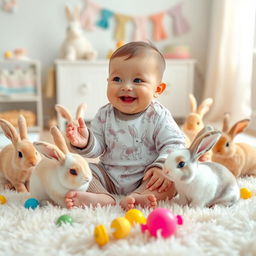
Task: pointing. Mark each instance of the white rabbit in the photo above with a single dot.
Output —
(76, 45)
(17, 160)
(201, 183)
(59, 172)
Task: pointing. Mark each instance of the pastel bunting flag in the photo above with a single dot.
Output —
(159, 32)
(121, 21)
(140, 23)
(180, 24)
(89, 14)
(104, 20)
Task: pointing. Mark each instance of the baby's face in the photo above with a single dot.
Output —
(132, 83)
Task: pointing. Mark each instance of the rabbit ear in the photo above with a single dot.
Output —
(49, 150)
(77, 13)
(9, 131)
(59, 139)
(22, 124)
(80, 111)
(203, 143)
(64, 112)
(68, 13)
(193, 103)
(238, 127)
(225, 126)
(204, 106)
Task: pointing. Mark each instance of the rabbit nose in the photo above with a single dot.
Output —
(33, 162)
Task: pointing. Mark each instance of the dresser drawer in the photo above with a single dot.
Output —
(82, 83)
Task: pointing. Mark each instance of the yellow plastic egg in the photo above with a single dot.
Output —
(101, 235)
(3, 199)
(122, 227)
(245, 193)
(135, 216)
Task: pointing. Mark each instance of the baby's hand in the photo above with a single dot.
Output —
(78, 135)
(157, 180)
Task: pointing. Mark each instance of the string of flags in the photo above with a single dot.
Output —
(93, 15)
(9, 6)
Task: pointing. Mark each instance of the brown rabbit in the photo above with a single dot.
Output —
(239, 158)
(194, 121)
(17, 160)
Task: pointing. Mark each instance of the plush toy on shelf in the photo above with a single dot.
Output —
(239, 158)
(76, 46)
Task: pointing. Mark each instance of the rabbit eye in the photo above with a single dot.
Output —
(20, 154)
(227, 144)
(198, 123)
(181, 164)
(73, 172)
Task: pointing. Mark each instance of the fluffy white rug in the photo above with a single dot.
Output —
(216, 231)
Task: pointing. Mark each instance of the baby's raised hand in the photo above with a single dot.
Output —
(77, 134)
(157, 180)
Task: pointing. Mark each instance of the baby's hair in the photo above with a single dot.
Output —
(137, 48)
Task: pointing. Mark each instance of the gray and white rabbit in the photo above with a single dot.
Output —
(201, 183)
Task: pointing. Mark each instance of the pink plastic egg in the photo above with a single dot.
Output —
(164, 220)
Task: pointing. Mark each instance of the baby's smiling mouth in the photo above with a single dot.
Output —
(127, 99)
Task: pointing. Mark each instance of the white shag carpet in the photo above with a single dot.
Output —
(216, 231)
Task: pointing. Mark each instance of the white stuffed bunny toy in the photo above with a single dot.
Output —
(76, 45)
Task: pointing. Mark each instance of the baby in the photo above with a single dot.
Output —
(132, 134)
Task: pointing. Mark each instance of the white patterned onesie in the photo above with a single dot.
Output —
(128, 145)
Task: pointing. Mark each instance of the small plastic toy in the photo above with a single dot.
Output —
(64, 219)
(101, 235)
(3, 199)
(135, 216)
(122, 227)
(31, 203)
(245, 193)
(162, 220)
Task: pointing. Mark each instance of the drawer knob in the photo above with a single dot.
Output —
(83, 89)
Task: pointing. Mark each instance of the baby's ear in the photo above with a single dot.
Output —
(160, 88)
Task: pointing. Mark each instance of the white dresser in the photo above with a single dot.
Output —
(86, 81)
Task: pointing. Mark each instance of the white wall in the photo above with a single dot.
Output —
(39, 26)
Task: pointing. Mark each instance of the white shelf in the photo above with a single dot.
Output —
(31, 102)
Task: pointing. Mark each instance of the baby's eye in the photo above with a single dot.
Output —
(117, 79)
(137, 80)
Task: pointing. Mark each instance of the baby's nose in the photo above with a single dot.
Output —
(127, 87)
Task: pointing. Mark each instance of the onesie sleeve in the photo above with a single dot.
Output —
(168, 137)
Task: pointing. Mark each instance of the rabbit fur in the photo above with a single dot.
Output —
(76, 45)
(194, 121)
(17, 160)
(59, 172)
(201, 184)
(239, 158)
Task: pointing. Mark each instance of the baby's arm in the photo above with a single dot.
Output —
(78, 134)
(157, 179)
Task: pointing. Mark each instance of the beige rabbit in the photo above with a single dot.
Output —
(59, 172)
(239, 158)
(194, 121)
(17, 160)
(76, 45)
